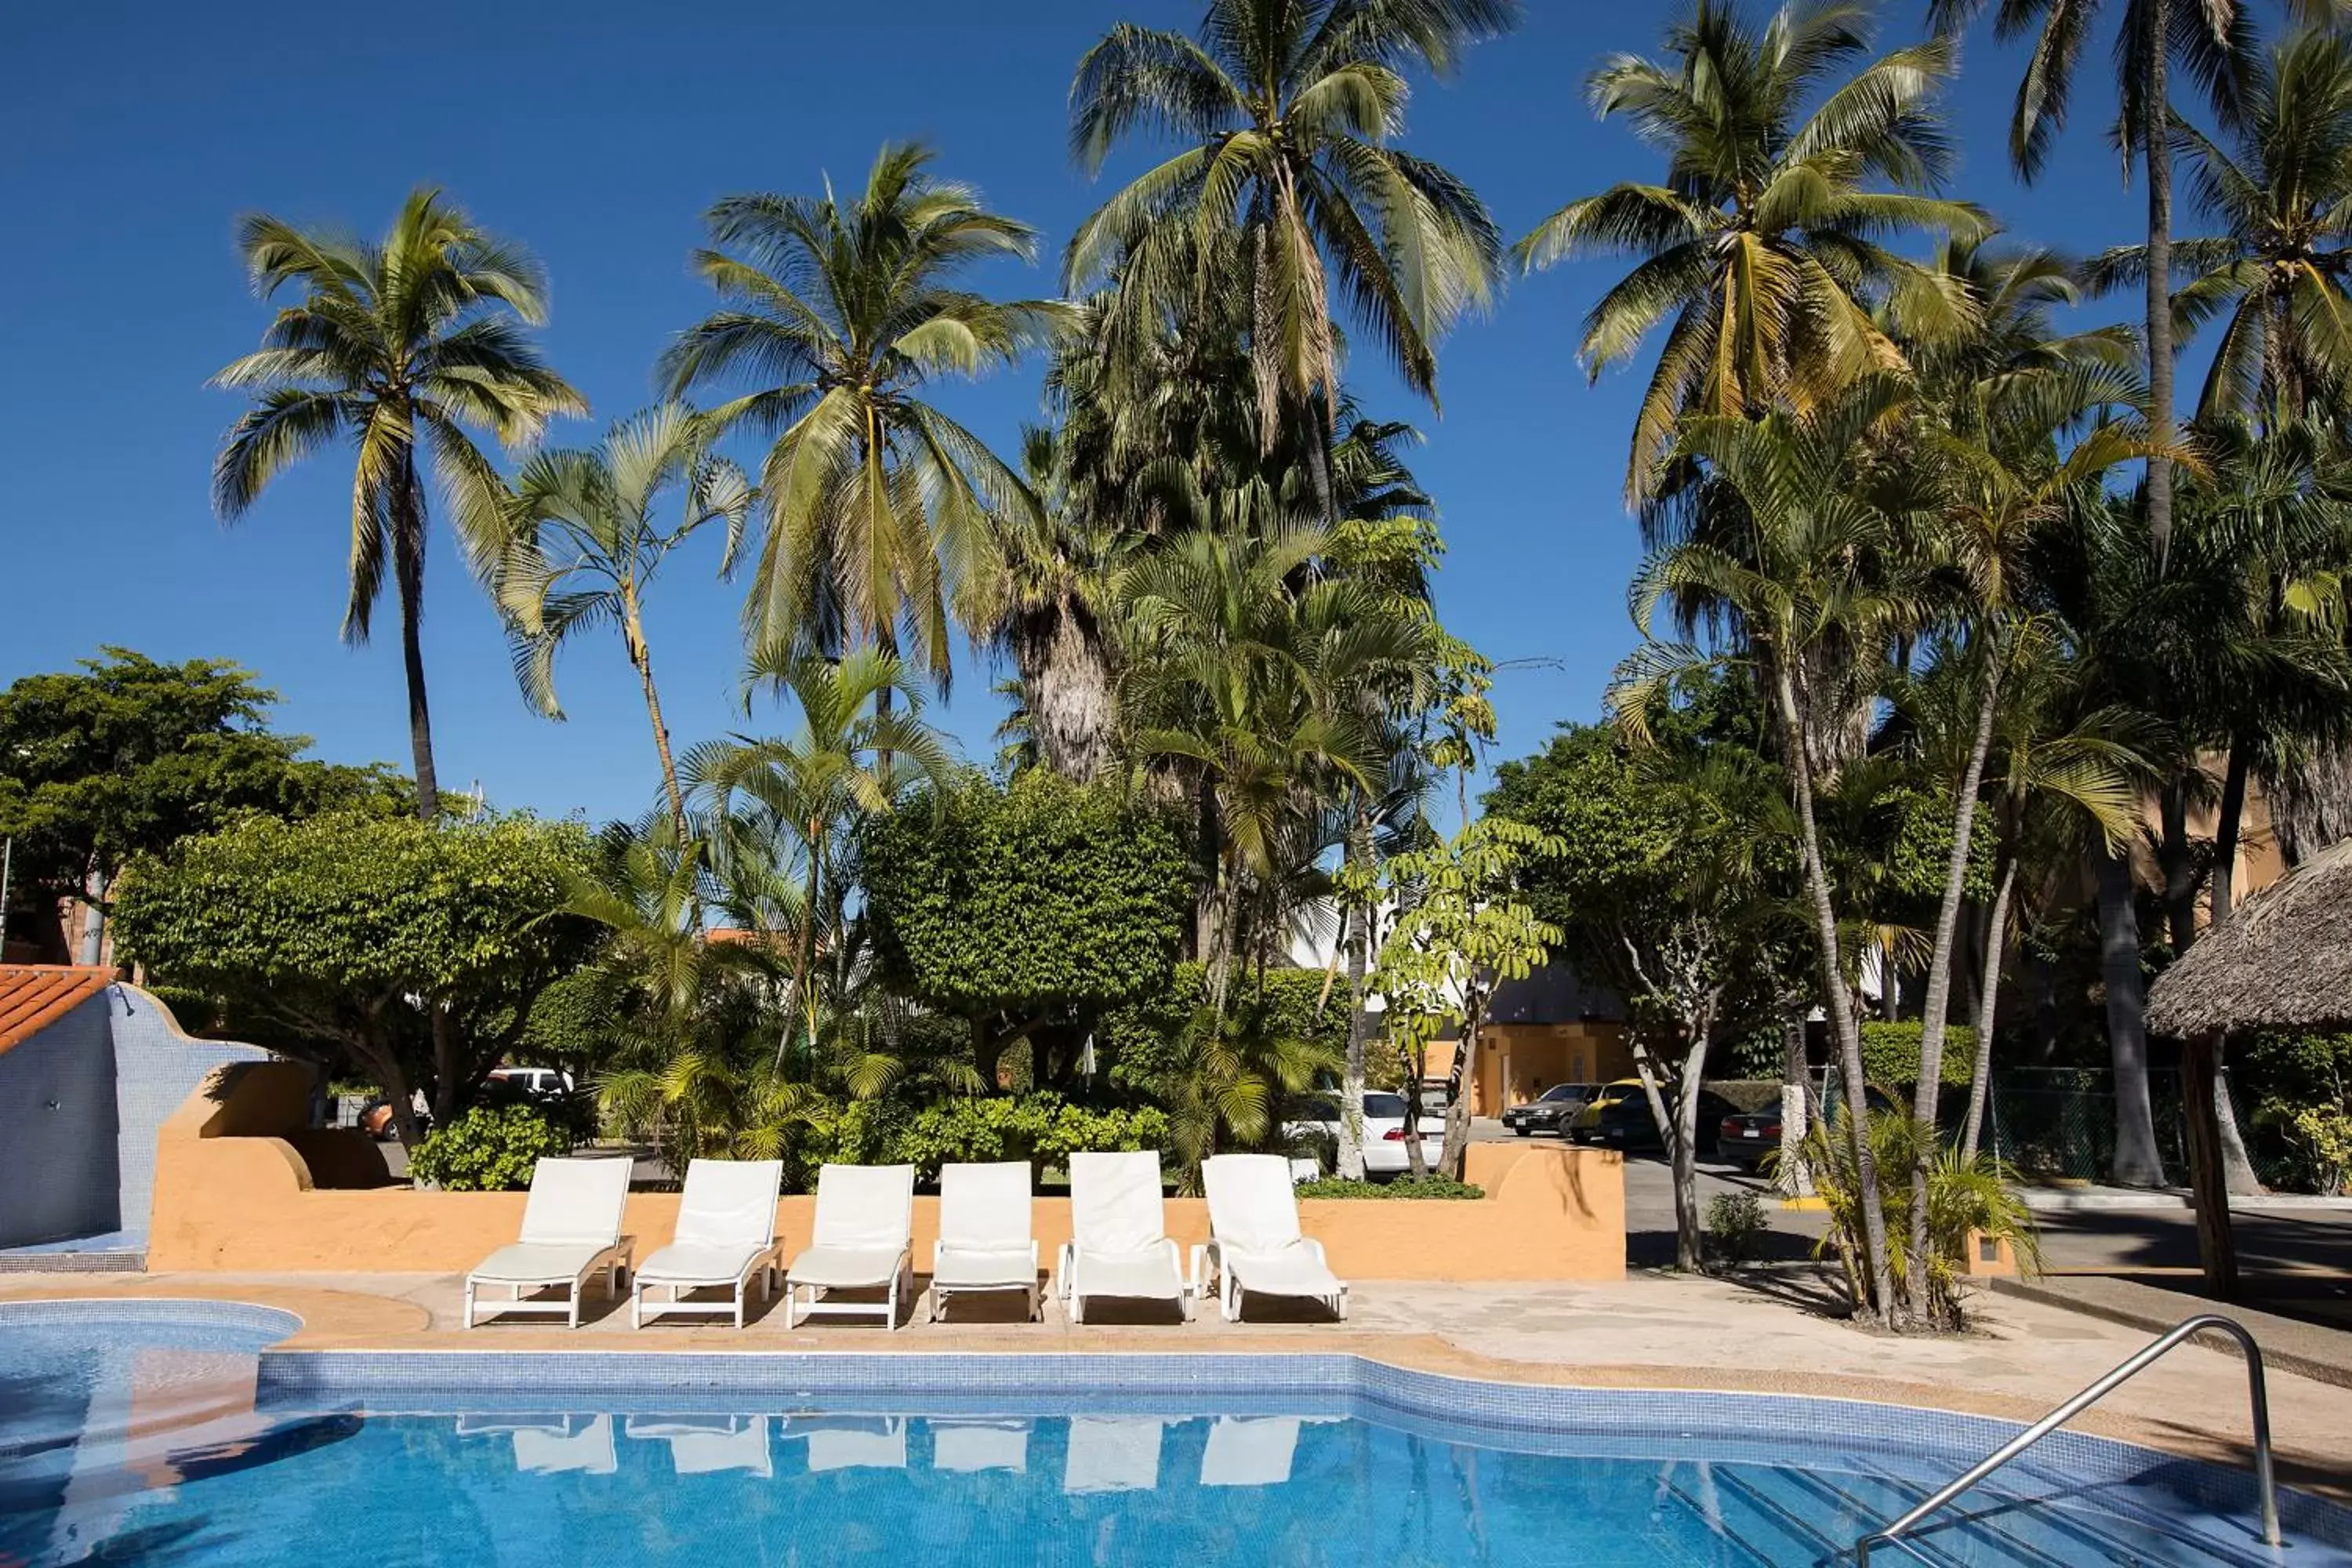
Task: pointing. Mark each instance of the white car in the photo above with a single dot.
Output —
(1384, 1150)
(540, 1083)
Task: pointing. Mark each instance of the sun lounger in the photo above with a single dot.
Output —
(1256, 1245)
(725, 1238)
(1112, 1453)
(963, 1444)
(1118, 1245)
(570, 1229)
(985, 1240)
(865, 1228)
(708, 1445)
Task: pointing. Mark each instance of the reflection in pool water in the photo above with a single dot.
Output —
(132, 1446)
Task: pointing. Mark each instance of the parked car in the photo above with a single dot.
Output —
(1745, 1137)
(538, 1083)
(1318, 1118)
(1580, 1125)
(1551, 1110)
(1627, 1124)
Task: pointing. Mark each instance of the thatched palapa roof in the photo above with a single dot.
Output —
(2282, 961)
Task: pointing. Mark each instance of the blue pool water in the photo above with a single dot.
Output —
(136, 1439)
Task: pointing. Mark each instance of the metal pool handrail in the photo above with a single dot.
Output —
(2257, 1396)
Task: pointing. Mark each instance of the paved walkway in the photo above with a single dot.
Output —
(1770, 1333)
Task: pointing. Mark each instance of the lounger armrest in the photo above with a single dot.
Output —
(1201, 1267)
(1062, 1259)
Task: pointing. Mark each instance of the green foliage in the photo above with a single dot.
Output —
(129, 755)
(1890, 1054)
(343, 929)
(1042, 1128)
(1463, 930)
(490, 1149)
(2324, 1133)
(1735, 1226)
(2301, 1085)
(1038, 896)
(1139, 1044)
(1440, 1188)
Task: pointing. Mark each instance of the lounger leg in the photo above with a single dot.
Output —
(469, 1303)
(572, 1317)
(637, 1305)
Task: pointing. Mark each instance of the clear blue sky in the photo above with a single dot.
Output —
(597, 132)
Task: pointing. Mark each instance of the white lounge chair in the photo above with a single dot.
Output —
(1119, 1242)
(570, 1229)
(708, 1445)
(865, 1230)
(1113, 1454)
(964, 1444)
(726, 1237)
(587, 1448)
(1255, 1245)
(985, 1240)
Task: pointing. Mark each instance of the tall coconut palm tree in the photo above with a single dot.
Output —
(2213, 41)
(2278, 276)
(848, 310)
(399, 347)
(1761, 245)
(1289, 111)
(585, 545)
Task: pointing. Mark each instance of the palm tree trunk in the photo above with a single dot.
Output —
(408, 573)
(2237, 1167)
(633, 629)
(1358, 851)
(2136, 1165)
(1796, 1101)
(2156, 133)
(1937, 1001)
(2178, 867)
(1988, 1006)
(1795, 729)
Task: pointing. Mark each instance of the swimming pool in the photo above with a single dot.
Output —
(809, 1461)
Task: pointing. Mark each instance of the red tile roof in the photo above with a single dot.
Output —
(35, 995)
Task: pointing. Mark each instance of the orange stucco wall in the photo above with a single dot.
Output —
(243, 1202)
(1517, 1062)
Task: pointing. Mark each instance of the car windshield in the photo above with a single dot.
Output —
(1384, 1108)
(1565, 1091)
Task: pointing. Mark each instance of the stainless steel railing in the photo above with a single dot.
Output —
(2256, 1392)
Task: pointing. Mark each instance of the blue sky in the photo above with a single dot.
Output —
(597, 132)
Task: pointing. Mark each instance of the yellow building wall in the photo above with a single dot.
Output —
(1517, 1062)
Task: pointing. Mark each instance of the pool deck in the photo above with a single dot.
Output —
(1766, 1333)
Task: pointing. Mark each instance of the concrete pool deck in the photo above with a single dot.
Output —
(1765, 1334)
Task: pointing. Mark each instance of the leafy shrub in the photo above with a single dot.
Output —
(1042, 1129)
(1735, 1226)
(2325, 1134)
(1142, 1044)
(1890, 1054)
(1402, 1187)
(490, 1149)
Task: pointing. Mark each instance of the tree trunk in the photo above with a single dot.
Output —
(1988, 1007)
(633, 631)
(1451, 1157)
(1795, 1179)
(2239, 1167)
(1689, 1250)
(1066, 684)
(1937, 1001)
(2178, 867)
(93, 914)
(1359, 936)
(1839, 998)
(2136, 1165)
(451, 1078)
(408, 574)
(1416, 1166)
(2217, 1245)
(2156, 146)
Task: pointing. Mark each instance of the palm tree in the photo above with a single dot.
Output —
(1289, 109)
(1762, 244)
(403, 345)
(584, 547)
(2213, 41)
(2277, 274)
(853, 754)
(1824, 565)
(877, 501)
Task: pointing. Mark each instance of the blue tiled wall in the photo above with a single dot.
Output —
(156, 1067)
(57, 1129)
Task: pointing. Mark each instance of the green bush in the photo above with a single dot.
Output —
(488, 1150)
(1890, 1054)
(1042, 1129)
(1402, 1187)
(1735, 1226)
(1139, 1044)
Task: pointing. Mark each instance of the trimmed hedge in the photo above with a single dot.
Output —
(1890, 1054)
(1402, 1187)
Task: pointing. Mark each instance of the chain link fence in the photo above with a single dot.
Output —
(2054, 1123)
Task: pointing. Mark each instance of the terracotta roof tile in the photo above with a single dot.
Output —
(35, 995)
